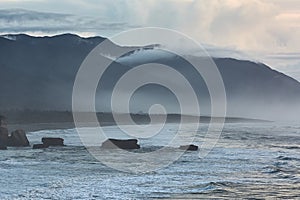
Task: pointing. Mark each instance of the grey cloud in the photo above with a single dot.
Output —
(226, 52)
(16, 15)
(285, 56)
(19, 20)
(292, 70)
(289, 63)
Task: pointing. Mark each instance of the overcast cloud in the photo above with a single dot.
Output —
(267, 30)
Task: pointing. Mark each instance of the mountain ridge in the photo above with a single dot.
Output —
(39, 72)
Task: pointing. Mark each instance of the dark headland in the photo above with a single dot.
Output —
(42, 72)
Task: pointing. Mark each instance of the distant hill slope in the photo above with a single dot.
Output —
(38, 73)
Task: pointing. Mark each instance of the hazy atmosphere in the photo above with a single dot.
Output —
(149, 99)
(263, 30)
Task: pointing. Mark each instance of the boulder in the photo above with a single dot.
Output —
(190, 147)
(48, 141)
(3, 138)
(39, 146)
(122, 144)
(3, 147)
(18, 138)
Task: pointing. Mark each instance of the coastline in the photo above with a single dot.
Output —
(32, 127)
(29, 120)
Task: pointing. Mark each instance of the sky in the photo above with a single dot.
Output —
(262, 30)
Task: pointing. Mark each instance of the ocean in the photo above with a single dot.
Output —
(250, 160)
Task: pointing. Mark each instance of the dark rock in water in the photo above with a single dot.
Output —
(3, 138)
(2, 147)
(39, 146)
(47, 141)
(190, 147)
(18, 138)
(122, 144)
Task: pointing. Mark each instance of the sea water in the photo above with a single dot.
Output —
(250, 160)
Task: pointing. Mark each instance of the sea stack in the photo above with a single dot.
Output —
(122, 144)
(18, 138)
(190, 147)
(3, 133)
(49, 141)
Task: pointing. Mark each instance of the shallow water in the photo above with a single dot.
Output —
(250, 161)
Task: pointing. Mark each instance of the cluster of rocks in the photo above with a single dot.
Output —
(18, 138)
